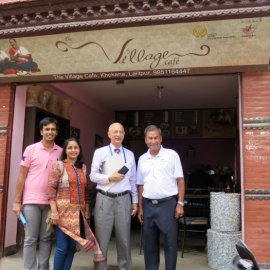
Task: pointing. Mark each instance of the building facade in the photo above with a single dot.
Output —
(223, 37)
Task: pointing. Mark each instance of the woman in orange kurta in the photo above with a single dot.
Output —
(69, 200)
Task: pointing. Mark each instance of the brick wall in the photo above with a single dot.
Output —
(256, 103)
(6, 115)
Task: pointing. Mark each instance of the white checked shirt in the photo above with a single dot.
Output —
(159, 174)
(3, 55)
(129, 182)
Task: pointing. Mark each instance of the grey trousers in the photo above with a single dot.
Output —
(35, 215)
(117, 212)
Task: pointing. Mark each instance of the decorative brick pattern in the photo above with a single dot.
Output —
(256, 145)
(48, 15)
(257, 194)
(257, 123)
(3, 130)
(6, 115)
(264, 266)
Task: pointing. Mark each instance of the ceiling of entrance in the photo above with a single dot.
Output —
(177, 93)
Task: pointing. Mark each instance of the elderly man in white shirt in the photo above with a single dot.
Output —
(161, 189)
(114, 208)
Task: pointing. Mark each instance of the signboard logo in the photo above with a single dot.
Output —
(249, 30)
(199, 31)
(137, 56)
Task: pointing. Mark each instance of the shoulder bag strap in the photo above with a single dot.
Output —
(84, 169)
(62, 167)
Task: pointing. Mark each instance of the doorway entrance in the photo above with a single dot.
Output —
(96, 104)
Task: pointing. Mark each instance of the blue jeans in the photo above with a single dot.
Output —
(65, 248)
(64, 251)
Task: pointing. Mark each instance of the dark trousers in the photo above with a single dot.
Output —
(8, 65)
(27, 66)
(160, 218)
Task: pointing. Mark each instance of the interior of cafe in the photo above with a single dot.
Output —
(197, 115)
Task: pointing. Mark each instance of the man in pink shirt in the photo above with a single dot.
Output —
(36, 163)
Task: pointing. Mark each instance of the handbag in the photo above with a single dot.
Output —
(49, 222)
(50, 227)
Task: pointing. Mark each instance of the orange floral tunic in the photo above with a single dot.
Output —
(68, 187)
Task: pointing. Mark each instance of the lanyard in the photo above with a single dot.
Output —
(123, 153)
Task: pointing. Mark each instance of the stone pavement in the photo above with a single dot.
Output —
(194, 259)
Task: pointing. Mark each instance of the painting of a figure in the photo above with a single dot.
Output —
(219, 123)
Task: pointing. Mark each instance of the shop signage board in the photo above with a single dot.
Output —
(150, 51)
(181, 124)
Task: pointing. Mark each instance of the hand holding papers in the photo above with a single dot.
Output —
(113, 164)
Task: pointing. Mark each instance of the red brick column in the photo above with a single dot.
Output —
(6, 115)
(256, 149)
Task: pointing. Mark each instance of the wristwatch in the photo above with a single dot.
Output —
(181, 203)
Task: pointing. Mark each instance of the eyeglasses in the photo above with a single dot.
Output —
(118, 131)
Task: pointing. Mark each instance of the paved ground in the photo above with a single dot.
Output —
(195, 258)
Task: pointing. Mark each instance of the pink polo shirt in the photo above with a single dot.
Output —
(39, 161)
